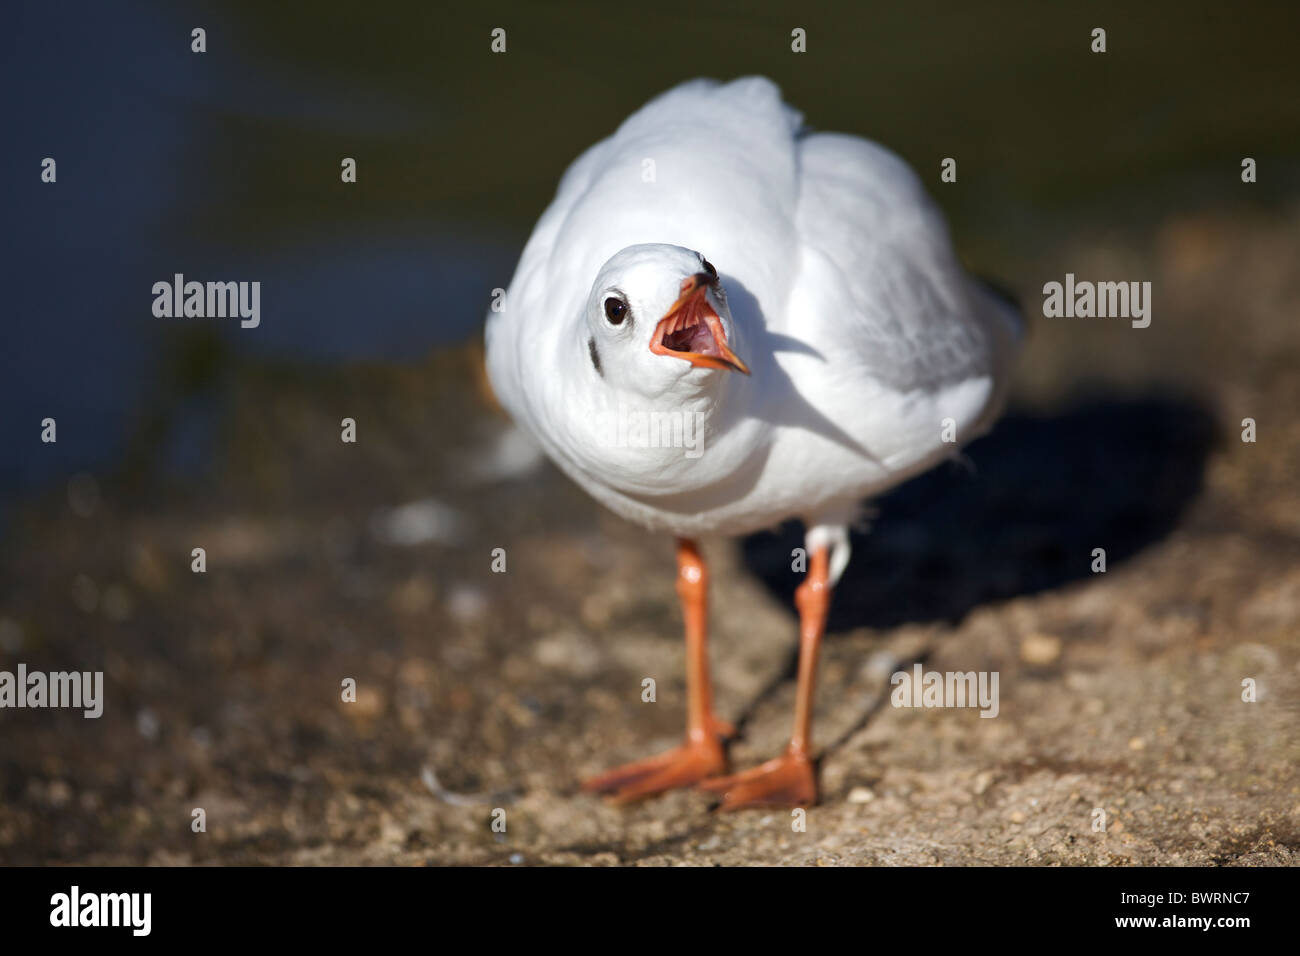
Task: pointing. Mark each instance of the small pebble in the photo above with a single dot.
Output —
(147, 724)
(1040, 649)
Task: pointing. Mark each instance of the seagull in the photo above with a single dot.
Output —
(724, 321)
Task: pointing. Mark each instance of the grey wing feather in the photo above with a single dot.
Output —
(915, 317)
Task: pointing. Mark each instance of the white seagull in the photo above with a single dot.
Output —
(714, 226)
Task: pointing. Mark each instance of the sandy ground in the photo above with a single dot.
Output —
(1119, 692)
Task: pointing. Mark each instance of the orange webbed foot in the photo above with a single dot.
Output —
(699, 758)
(787, 781)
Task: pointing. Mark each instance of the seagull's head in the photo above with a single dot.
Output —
(658, 314)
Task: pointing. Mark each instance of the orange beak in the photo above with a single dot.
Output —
(692, 331)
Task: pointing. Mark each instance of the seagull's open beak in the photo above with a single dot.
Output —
(692, 330)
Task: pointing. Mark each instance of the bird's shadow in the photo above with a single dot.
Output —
(1023, 513)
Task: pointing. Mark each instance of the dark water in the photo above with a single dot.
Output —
(160, 170)
(225, 165)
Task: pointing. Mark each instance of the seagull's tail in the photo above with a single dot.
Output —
(1000, 312)
(1003, 310)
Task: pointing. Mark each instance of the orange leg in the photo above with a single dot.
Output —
(701, 755)
(789, 780)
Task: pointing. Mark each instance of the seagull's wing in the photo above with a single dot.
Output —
(879, 282)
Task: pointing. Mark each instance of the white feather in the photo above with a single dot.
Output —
(845, 298)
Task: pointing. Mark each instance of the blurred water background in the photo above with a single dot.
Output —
(225, 165)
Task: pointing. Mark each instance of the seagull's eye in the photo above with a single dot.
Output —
(615, 310)
(708, 267)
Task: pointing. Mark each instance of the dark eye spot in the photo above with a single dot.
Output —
(595, 356)
(615, 310)
(708, 267)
